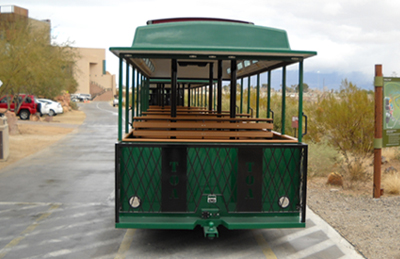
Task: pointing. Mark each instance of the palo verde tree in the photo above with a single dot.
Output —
(346, 121)
(30, 64)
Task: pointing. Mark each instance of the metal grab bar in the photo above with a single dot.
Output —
(273, 114)
(252, 111)
(306, 118)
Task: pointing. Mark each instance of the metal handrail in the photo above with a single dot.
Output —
(273, 114)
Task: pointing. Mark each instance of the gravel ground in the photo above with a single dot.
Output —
(371, 225)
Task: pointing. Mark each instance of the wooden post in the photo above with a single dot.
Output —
(378, 131)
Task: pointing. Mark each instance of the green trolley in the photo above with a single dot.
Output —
(183, 157)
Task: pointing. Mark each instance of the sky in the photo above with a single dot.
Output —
(350, 36)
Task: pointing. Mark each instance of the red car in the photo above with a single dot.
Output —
(28, 107)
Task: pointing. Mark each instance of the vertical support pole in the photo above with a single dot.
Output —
(121, 63)
(201, 97)
(241, 95)
(269, 95)
(137, 93)
(147, 92)
(215, 98)
(178, 91)
(162, 95)
(219, 87)
(127, 98)
(197, 97)
(258, 97)
(142, 99)
(283, 116)
(210, 87)
(133, 92)
(205, 97)
(233, 88)
(141, 94)
(378, 130)
(174, 70)
(183, 94)
(189, 96)
(248, 94)
(159, 94)
(300, 114)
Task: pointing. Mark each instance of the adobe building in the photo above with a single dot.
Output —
(90, 70)
(92, 76)
(12, 13)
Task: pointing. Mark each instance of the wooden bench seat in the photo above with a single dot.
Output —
(195, 134)
(216, 129)
(169, 110)
(202, 125)
(195, 113)
(154, 107)
(166, 117)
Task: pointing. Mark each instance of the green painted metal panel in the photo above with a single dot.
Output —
(190, 222)
(140, 175)
(209, 35)
(211, 170)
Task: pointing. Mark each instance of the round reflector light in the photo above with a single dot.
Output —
(283, 202)
(134, 201)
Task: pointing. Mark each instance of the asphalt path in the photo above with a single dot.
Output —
(59, 203)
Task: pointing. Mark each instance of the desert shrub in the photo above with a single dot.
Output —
(322, 159)
(74, 106)
(391, 183)
(356, 169)
(346, 121)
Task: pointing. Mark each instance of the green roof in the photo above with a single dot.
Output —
(209, 36)
(208, 41)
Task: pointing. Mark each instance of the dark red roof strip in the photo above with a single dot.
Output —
(194, 19)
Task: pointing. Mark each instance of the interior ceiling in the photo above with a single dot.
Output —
(199, 69)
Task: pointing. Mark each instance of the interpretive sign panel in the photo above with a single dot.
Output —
(391, 112)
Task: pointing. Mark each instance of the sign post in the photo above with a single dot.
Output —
(295, 124)
(378, 131)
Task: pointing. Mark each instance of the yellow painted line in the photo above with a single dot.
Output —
(264, 246)
(29, 229)
(126, 243)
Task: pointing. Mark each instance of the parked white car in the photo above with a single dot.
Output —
(50, 107)
(84, 97)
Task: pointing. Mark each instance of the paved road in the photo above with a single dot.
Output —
(58, 203)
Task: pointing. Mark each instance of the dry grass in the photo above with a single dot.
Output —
(71, 117)
(391, 183)
(391, 179)
(392, 153)
(36, 136)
